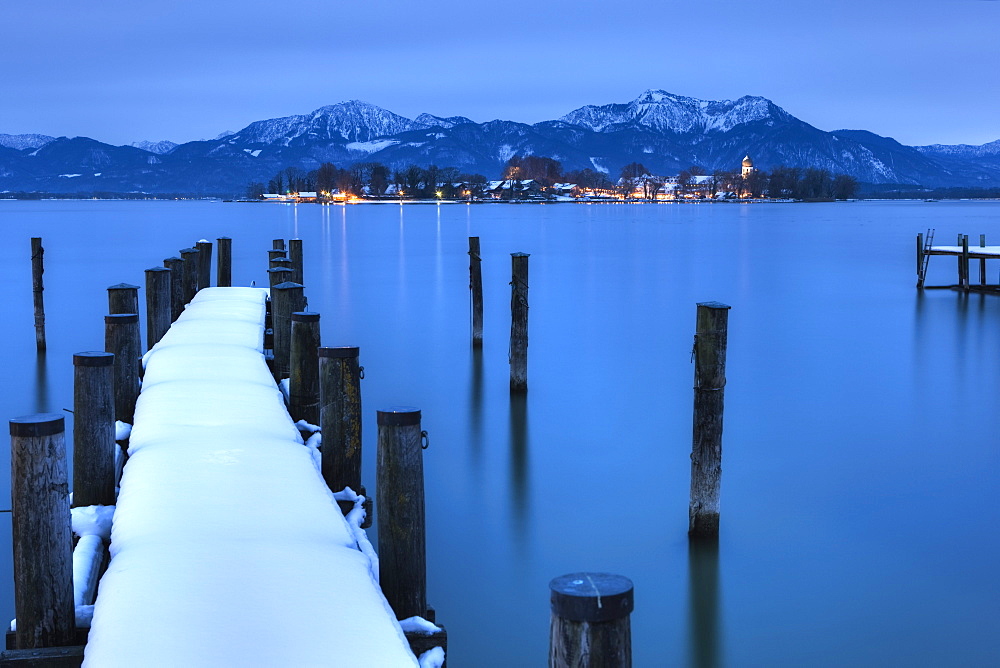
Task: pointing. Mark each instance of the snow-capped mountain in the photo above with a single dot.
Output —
(158, 147)
(352, 121)
(992, 148)
(21, 142)
(430, 121)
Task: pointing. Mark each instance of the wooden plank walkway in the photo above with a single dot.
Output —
(227, 547)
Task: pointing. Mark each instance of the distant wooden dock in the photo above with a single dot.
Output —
(964, 254)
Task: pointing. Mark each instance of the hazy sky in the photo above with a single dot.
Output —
(921, 71)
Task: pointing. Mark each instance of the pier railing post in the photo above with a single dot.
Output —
(43, 559)
(224, 263)
(340, 417)
(295, 255)
(591, 621)
(709, 387)
(400, 498)
(303, 384)
(121, 337)
(157, 304)
(286, 299)
(93, 429)
(519, 323)
(123, 298)
(176, 267)
(204, 263)
(37, 287)
(476, 288)
(192, 272)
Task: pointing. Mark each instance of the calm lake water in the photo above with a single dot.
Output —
(862, 437)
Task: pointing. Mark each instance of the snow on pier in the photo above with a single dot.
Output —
(227, 547)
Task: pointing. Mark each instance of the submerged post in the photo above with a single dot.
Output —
(400, 498)
(121, 337)
(192, 270)
(295, 255)
(476, 287)
(303, 384)
(591, 621)
(176, 267)
(37, 269)
(519, 323)
(123, 298)
(43, 559)
(709, 384)
(286, 299)
(204, 263)
(340, 417)
(224, 264)
(93, 429)
(157, 304)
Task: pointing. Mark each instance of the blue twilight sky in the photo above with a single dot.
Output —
(921, 71)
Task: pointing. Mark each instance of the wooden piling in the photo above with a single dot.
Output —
(192, 273)
(340, 417)
(476, 288)
(275, 253)
(709, 386)
(279, 275)
(982, 261)
(158, 291)
(123, 298)
(400, 499)
(920, 259)
(204, 264)
(591, 621)
(519, 323)
(121, 337)
(37, 287)
(282, 262)
(303, 384)
(224, 263)
(295, 255)
(176, 267)
(278, 244)
(43, 560)
(93, 429)
(286, 299)
(965, 263)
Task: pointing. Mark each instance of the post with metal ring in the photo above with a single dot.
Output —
(400, 498)
(591, 625)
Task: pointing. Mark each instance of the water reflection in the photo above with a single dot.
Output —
(42, 384)
(519, 490)
(704, 632)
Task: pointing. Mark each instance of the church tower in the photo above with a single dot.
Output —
(747, 166)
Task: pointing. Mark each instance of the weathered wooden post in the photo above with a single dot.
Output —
(278, 244)
(93, 429)
(274, 254)
(285, 263)
(303, 385)
(121, 337)
(157, 304)
(476, 288)
(224, 265)
(37, 269)
(295, 255)
(191, 273)
(123, 298)
(400, 499)
(591, 621)
(519, 323)
(43, 541)
(278, 275)
(965, 262)
(920, 260)
(340, 417)
(286, 299)
(982, 261)
(709, 385)
(204, 263)
(176, 267)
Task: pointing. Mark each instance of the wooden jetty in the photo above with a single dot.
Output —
(964, 254)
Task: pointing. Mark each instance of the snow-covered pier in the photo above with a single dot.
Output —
(964, 253)
(227, 547)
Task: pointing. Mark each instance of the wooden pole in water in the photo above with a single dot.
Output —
(400, 499)
(295, 255)
(476, 287)
(286, 299)
(965, 262)
(204, 264)
(982, 261)
(123, 298)
(278, 244)
(709, 386)
(121, 337)
(274, 254)
(157, 304)
(43, 541)
(283, 262)
(37, 269)
(279, 275)
(224, 265)
(519, 323)
(920, 260)
(303, 384)
(93, 429)
(340, 417)
(176, 267)
(591, 621)
(192, 273)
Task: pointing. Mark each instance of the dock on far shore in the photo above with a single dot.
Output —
(964, 253)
